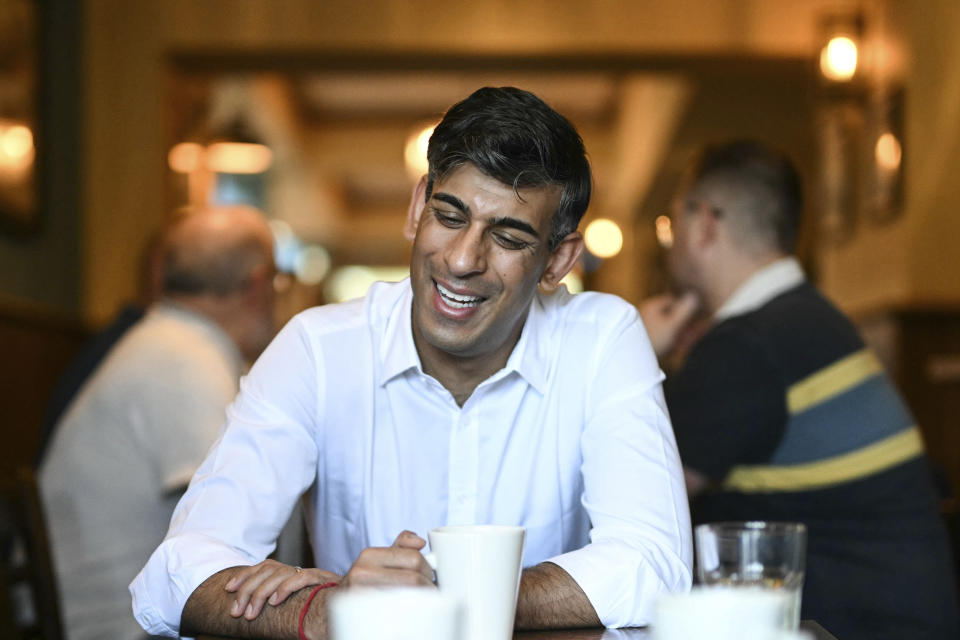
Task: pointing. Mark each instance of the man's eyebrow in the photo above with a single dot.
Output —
(451, 200)
(513, 223)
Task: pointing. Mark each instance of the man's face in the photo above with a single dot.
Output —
(681, 259)
(478, 255)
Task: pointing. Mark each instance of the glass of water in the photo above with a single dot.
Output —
(758, 555)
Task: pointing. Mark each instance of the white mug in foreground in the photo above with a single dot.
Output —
(394, 614)
(479, 565)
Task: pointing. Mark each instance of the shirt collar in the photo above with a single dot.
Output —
(762, 287)
(529, 356)
(399, 353)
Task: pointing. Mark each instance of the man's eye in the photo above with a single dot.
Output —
(509, 242)
(447, 219)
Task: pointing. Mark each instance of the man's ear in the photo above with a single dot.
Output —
(415, 208)
(255, 287)
(561, 260)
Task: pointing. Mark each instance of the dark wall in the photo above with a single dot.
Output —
(41, 264)
(35, 351)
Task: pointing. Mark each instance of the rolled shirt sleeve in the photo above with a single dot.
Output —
(640, 541)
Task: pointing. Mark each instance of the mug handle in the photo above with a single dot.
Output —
(431, 559)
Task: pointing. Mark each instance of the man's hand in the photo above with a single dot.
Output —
(400, 564)
(665, 317)
(231, 603)
(270, 582)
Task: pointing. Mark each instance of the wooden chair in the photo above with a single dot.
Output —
(29, 608)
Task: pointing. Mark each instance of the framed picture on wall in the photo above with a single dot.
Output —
(19, 121)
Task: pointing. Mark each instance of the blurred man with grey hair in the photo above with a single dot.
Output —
(128, 444)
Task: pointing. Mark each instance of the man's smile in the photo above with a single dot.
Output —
(457, 300)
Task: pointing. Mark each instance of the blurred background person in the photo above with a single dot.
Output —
(781, 413)
(128, 444)
(94, 350)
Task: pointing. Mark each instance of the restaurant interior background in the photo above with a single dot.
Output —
(335, 89)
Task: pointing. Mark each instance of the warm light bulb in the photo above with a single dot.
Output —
(17, 141)
(888, 152)
(16, 150)
(603, 238)
(838, 60)
(415, 151)
(664, 231)
(238, 157)
(185, 157)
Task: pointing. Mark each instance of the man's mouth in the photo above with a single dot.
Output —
(456, 300)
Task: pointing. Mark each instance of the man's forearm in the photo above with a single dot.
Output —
(208, 612)
(550, 599)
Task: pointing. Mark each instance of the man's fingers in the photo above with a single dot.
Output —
(241, 605)
(270, 581)
(665, 317)
(239, 577)
(395, 557)
(685, 307)
(396, 564)
(409, 540)
(380, 577)
(297, 581)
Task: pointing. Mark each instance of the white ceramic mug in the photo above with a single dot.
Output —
(394, 614)
(479, 565)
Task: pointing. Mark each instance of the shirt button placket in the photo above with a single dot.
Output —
(459, 509)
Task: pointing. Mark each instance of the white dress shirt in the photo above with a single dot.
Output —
(571, 439)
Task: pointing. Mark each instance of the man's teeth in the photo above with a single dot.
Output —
(456, 300)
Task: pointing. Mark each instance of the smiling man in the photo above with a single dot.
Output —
(478, 391)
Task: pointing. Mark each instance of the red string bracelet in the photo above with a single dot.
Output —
(306, 605)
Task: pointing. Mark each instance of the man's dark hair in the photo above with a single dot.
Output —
(763, 184)
(513, 136)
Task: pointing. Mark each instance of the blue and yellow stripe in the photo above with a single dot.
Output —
(846, 421)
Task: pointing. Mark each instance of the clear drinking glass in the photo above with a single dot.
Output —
(759, 555)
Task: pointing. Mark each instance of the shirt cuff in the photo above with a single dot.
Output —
(620, 582)
(162, 587)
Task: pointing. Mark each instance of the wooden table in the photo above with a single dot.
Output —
(818, 632)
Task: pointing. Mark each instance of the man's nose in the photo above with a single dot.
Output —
(467, 253)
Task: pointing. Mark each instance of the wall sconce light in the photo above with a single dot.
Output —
(16, 150)
(885, 155)
(838, 58)
(860, 128)
(841, 54)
